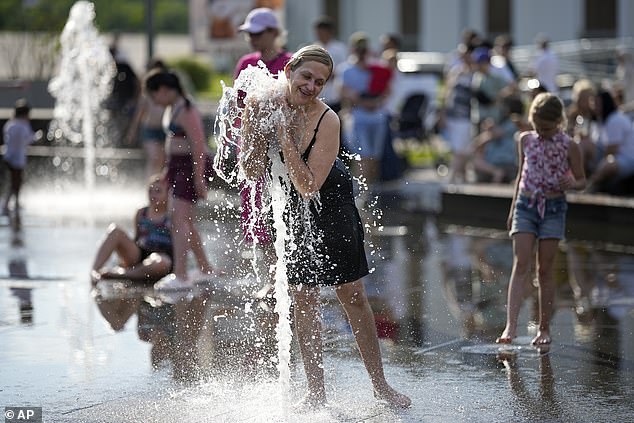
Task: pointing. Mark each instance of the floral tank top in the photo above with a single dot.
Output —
(545, 161)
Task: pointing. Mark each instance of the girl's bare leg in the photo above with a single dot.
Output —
(523, 244)
(547, 250)
(117, 240)
(155, 266)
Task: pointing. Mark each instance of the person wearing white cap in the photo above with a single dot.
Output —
(262, 28)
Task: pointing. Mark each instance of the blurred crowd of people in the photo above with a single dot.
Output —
(483, 108)
(480, 108)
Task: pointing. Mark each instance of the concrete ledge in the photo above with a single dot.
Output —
(591, 217)
(78, 152)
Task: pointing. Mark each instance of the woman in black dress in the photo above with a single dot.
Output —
(327, 250)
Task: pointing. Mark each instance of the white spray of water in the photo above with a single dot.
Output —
(84, 81)
(269, 95)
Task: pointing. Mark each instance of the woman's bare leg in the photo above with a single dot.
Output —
(361, 318)
(181, 226)
(308, 328)
(198, 249)
(155, 156)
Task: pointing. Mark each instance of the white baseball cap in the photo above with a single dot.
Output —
(259, 20)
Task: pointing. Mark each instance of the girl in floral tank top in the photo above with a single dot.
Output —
(550, 165)
(545, 162)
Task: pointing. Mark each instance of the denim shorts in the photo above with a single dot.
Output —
(527, 219)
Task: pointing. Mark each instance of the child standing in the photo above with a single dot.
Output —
(549, 165)
(18, 134)
(149, 255)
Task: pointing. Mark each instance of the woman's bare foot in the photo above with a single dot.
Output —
(392, 397)
(311, 401)
(542, 338)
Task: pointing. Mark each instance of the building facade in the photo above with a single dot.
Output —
(436, 25)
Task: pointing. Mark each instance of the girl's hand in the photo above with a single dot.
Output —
(567, 181)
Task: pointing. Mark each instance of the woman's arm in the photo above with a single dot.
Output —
(309, 177)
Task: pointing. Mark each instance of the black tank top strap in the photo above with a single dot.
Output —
(312, 141)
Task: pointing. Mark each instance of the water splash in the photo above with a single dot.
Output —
(257, 89)
(84, 81)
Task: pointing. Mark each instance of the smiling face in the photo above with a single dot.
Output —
(306, 82)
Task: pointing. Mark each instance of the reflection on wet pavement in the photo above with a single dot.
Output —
(121, 352)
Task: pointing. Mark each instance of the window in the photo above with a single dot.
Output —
(409, 20)
(498, 17)
(331, 8)
(600, 18)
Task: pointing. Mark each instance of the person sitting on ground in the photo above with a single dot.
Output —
(149, 255)
(495, 158)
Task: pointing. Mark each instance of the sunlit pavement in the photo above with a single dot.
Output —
(125, 354)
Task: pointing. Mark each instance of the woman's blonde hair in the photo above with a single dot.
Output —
(582, 86)
(547, 108)
(311, 53)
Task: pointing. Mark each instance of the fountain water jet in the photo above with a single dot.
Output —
(84, 81)
(258, 83)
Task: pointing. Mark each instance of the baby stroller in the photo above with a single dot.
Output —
(410, 123)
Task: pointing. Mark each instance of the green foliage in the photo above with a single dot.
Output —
(126, 16)
(171, 16)
(42, 16)
(198, 72)
(111, 15)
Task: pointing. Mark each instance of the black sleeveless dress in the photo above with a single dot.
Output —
(338, 256)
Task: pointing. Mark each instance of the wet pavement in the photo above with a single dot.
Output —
(119, 352)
